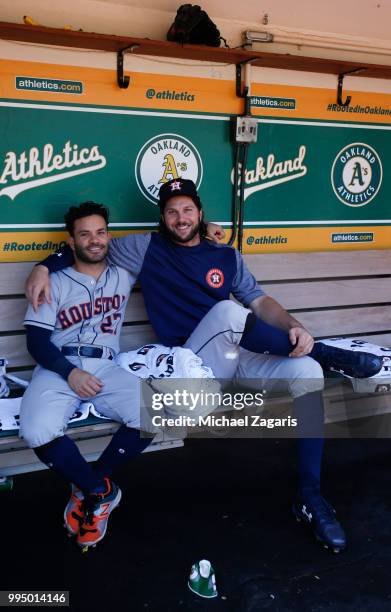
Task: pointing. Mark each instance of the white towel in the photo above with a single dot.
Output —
(81, 413)
(170, 370)
(158, 361)
(10, 409)
(9, 413)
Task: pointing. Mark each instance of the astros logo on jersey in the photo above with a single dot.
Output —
(215, 278)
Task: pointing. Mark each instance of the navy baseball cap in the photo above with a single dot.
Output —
(177, 187)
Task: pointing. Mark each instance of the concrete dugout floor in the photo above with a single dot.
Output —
(224, 500)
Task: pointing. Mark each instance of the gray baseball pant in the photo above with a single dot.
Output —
(49, 402)
(216, 340)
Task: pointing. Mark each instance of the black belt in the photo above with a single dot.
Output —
(86, 351)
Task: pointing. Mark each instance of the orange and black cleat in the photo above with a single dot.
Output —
(97, 509)
(74, 513)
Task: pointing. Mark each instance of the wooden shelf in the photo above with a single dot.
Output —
(162, 48)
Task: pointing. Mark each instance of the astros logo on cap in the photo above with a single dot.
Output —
(175, 185)
(215, 278)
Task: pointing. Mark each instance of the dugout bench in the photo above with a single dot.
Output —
(339, 293)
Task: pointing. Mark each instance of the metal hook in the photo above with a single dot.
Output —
(339, 92)
(340, 84)
(123, 80)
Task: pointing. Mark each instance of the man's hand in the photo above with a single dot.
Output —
(83, 383)
(37, 287)
(304, 340)
(215, 232)
(270, 311)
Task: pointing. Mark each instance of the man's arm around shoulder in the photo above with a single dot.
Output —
(37, 287)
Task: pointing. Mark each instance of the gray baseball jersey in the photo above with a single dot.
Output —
(85, 310)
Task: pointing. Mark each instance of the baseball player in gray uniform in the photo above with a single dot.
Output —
(74, 339)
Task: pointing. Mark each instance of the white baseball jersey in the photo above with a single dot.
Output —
(85, 310)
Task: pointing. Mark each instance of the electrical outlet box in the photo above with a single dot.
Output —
(245, 129)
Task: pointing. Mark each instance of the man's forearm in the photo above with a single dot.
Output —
(270, 311)
(45, 353)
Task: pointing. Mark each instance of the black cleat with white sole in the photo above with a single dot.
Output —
(356, 364)
(317, 513)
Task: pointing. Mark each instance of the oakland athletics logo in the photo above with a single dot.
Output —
(356, 174)
(215, 278)
(163, 158)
